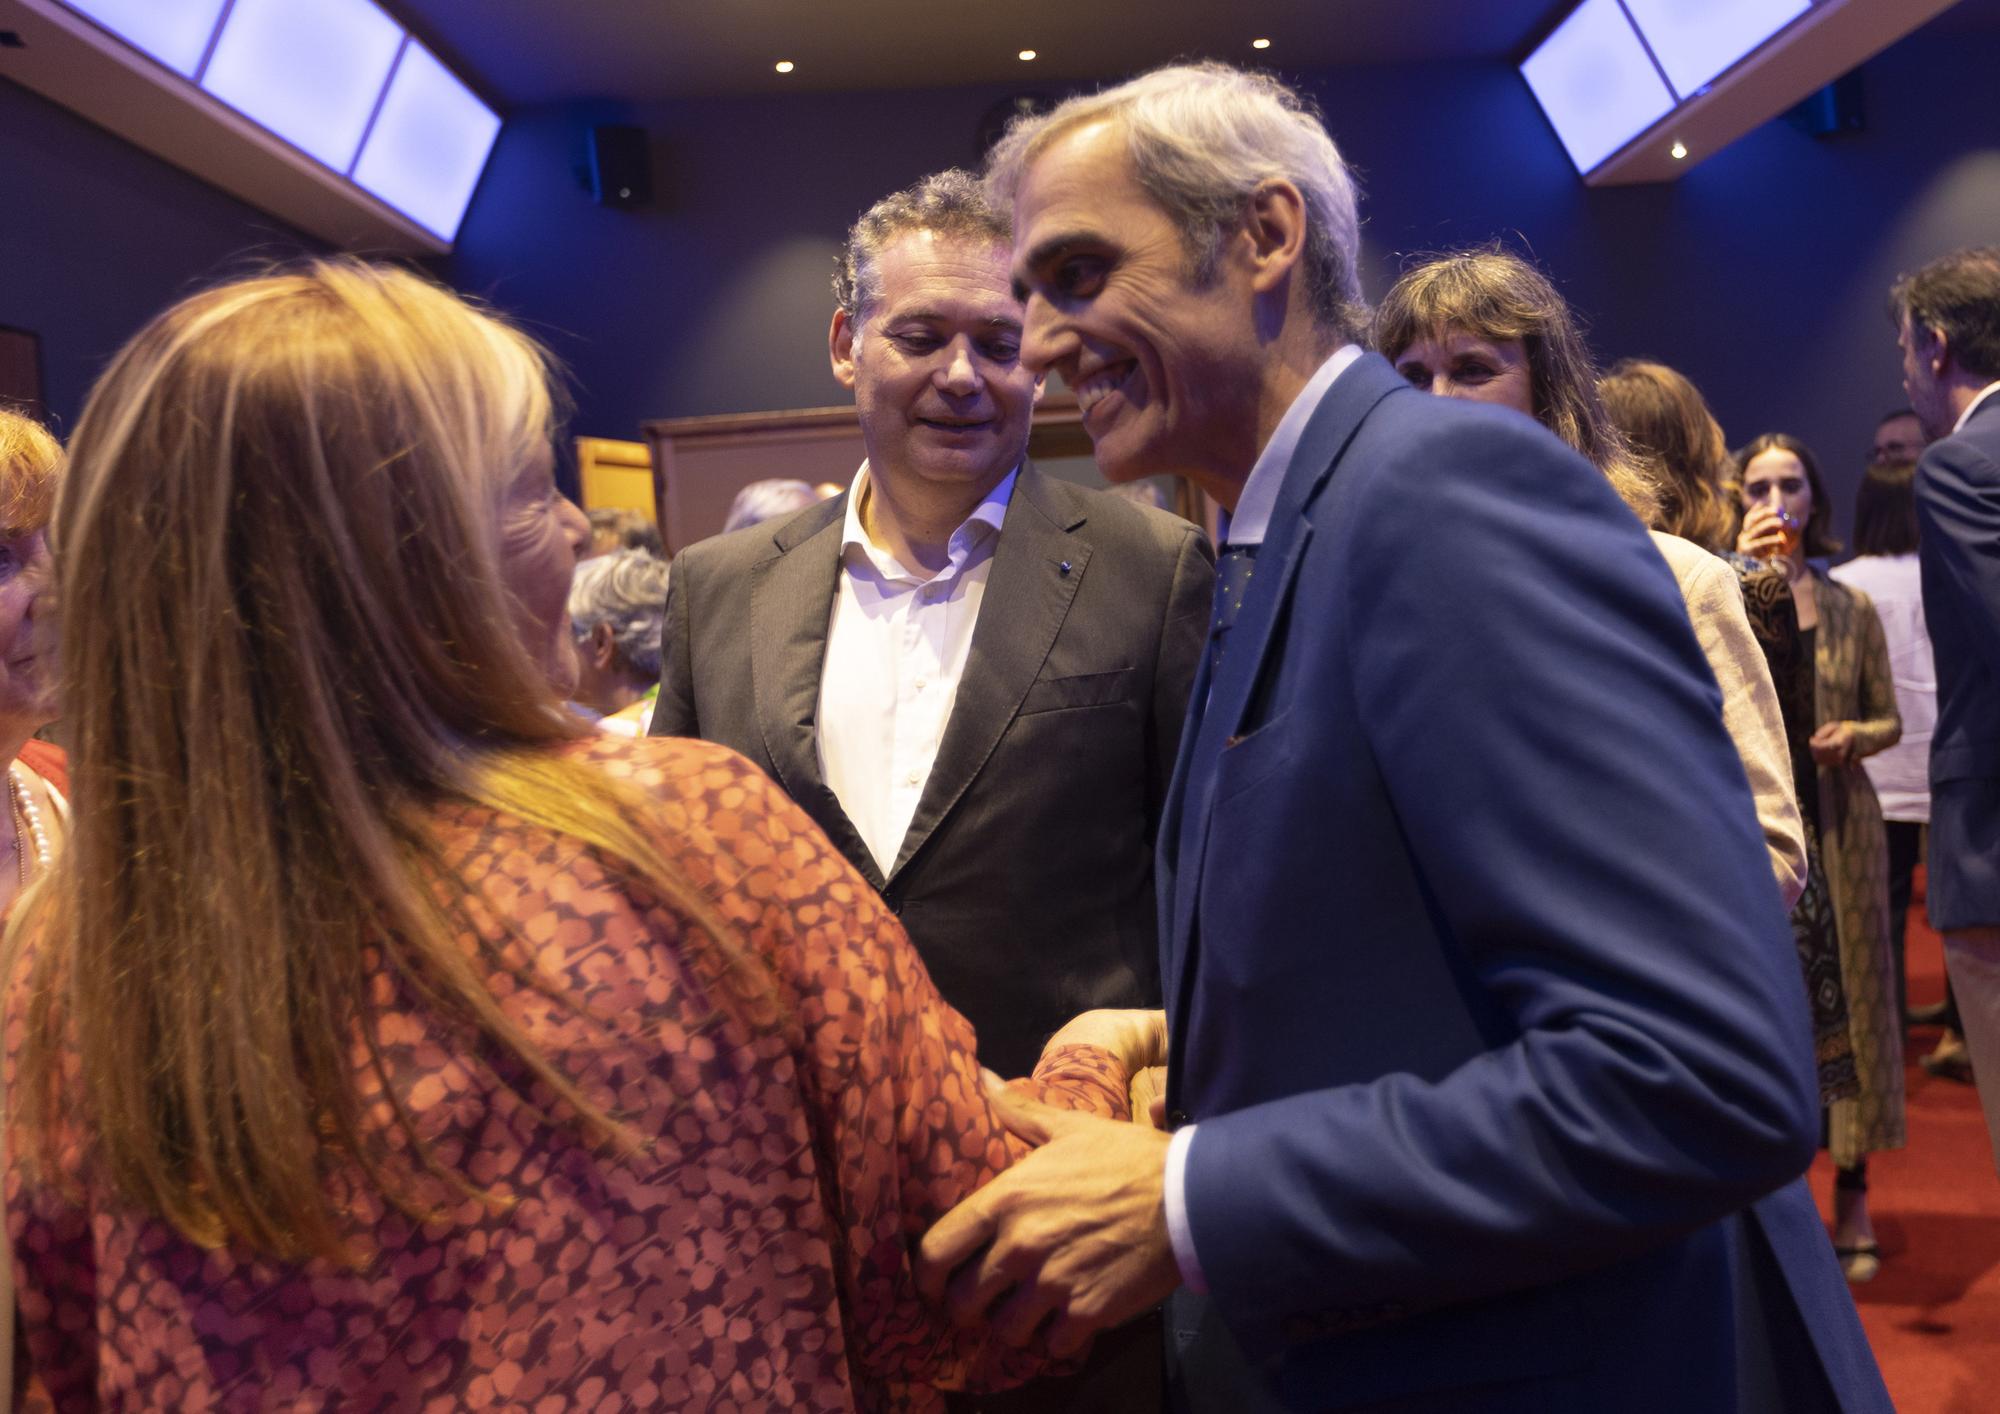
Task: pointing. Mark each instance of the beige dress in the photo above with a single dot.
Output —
(1854, 684)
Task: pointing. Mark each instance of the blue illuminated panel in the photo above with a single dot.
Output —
(175, 32)
(1695, 40)
(1596, 84)
(428, 145)
(309, 70)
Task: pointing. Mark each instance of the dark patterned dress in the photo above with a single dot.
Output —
(1855, 685)
(756, 1254)
(1774, 620)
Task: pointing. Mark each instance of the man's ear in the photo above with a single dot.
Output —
(840, 347)
(1041, 387)
(1936, 352)
(1274, 231)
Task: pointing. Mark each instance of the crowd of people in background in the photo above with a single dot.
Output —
(462, 956)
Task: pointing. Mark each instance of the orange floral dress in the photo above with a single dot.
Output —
(755, 1254)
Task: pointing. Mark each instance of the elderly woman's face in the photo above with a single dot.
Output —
(27, 674)
(1458, 364)
(541, 534)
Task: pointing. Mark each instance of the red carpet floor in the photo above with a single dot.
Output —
(1933, 1313)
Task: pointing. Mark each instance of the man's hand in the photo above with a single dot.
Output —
(1076, 1231)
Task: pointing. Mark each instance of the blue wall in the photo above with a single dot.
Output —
(1761, 273)
(98, 236)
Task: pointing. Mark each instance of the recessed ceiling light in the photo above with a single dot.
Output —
(1260, 44)
(1027, 56)
(783, 66)
(1678, 151)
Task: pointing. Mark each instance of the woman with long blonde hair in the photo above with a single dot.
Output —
(386, 1037)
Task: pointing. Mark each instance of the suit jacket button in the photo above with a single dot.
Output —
(895, 904)
(1176, 1118)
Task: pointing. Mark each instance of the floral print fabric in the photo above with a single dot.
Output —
(796, 1139)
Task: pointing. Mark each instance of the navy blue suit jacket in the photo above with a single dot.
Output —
(1958, 507)
(1481, 990)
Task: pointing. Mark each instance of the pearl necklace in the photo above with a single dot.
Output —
(27, 822)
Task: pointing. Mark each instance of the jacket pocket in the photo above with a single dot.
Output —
(1077, 690)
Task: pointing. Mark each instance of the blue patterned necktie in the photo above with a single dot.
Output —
(1232, 582)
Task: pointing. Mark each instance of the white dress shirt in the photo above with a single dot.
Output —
(1247, 527)
(1901, 774)
(896, 647)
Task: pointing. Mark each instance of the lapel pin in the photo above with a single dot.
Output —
(1063, 568)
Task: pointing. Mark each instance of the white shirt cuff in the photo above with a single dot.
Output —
(1178, 1231)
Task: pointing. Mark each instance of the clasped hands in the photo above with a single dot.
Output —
(1072, 1239)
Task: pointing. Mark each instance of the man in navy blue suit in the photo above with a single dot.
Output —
(1491, 1082)
(1948, 315)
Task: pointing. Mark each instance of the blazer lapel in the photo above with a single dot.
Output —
(1036, 568)
(1221, 717)
(791, 605)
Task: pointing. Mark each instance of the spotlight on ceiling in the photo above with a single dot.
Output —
(1260, 44)
(1027, 56)
(783, 66)
(1678, 152)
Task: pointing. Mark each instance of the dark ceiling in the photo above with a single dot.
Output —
(541, 51)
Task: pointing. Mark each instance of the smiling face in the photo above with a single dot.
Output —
(1456, 364)
(935, 364)
(1778, 479)
(1164, 366)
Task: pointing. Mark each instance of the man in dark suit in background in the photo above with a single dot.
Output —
(1948, 317)
(1487, 1030)
(972, 676)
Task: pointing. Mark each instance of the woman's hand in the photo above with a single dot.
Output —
(1137, 1037)
(1764, 534)
(1833, 744)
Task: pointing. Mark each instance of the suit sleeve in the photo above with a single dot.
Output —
(1750, 712)
(1548, 739)
(1880, 725)
(1958, 506)
(673, 711)
(1183, 638)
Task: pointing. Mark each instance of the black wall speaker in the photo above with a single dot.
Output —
(1833, 110)
(621, 167)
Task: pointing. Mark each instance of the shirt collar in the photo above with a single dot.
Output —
(1984, 393)
(983, 524)
(1260, 492)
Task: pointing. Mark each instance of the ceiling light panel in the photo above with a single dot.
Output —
(1695, 40)
(311, 71)
(428, 145)
(175, 32)
(1595, 81)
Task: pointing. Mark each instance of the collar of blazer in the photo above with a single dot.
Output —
(1037, 565)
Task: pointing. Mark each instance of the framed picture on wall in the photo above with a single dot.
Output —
(21, 372)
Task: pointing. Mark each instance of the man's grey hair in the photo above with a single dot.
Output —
(767, 500)
(1201, 137)
(628, 590)
(952, 204)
